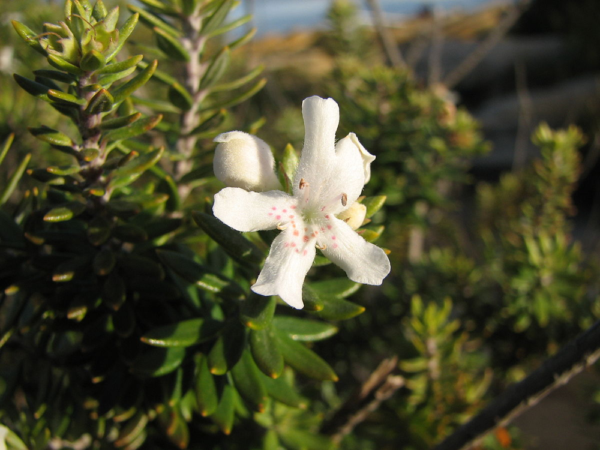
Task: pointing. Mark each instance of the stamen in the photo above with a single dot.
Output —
(321, 247)
(281, 226)
(303, 185)
(344, 199)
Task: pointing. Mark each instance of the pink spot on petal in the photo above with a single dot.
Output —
(287, 244)
(294, 207)
(329, 227)
(305, 238)
(335, 246)
(274, 209)
(297, 251)
(293, 244)
(292, 216)
(296, 233)
(333, 237)
(285, 210)
(305, 252)
(278, 217)
(327, 216)
(270, 214)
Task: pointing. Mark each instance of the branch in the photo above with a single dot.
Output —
(555, 372)
(380, 386)
(390, 48)
(475, 57)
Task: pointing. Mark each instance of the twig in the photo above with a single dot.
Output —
(358, 407)
(555, 372)
(386, 390)
(435, 54)
(475, 57)
(390, 48)
(525, 114)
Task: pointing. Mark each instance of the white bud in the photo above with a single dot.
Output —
(354, 216)
(245, 161)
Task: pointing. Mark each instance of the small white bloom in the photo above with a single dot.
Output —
(245, 161)
(329, 179)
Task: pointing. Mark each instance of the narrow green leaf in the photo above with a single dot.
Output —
(159, 74)
(296, 439)
(92, 60)
(10, 232)
(248, 382)
(29, 36)
(107, 80)
(55, 75)
(282, 391)
(128, 232)
(156, 362)
(99, 12)
(236, 245)
(65, 212)
(304, 360)
(64, 170)
(11, 185)
(241, 97)
(124, 33)
(290, 161)
(212, 122)
(6, 146)
(216, 19)
(114, 291)
(228, 348)
(32, 87)
(225, 412)
(132, 429)
(137, 128)
(104, 262)
(374, 204)
(52, 137)
(139, 164)
(123, 208)
(153, 21)
(140, 266)
(66, 66)
(171, 45)
(231, 26)
(120, 122)
(183, 334)
(338, 309)
(257, 311)
(336, 287)
(65, 98)
(126, 89)
(206, 389)
(180, 97)
(196, 273)
(156, 5)
(230, 85)
(371, 234)
(304, 330)
(101, 102)
(120, 66)
(243, 40)
(216, 69)
(265, 351)
(99, 230)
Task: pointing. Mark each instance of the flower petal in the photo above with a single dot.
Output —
(285, 269)
(252, 211)
(366, 157)
(362, 261)
(245, 161)
(321, 119)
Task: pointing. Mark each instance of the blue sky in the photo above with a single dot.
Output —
(285, 15)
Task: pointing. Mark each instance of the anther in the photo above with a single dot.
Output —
(302, 184)
(344, 199)
(321, 247)
(281, 226)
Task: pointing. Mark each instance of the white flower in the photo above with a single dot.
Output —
(329, 179)
(245, 161)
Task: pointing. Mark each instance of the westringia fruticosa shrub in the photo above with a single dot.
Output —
(125, 324)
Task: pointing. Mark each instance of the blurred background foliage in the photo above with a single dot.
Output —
(489, 273)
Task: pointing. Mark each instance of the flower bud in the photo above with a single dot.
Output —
(354, 216)
(245, 161)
